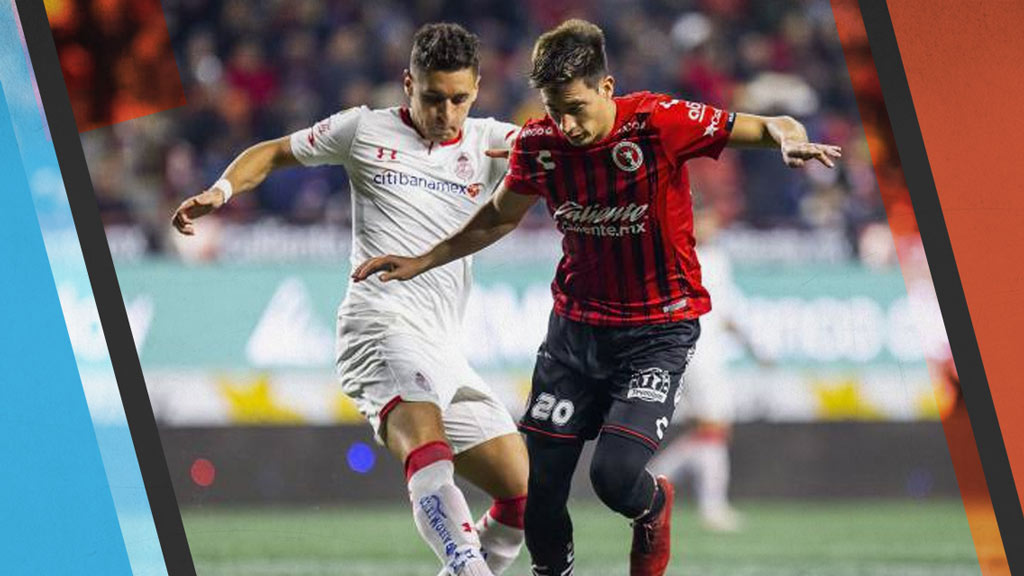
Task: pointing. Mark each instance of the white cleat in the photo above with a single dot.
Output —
(723, 521)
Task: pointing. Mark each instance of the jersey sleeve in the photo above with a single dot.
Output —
(524, 174)
(692, 129)
(500, 136)
(329, 141)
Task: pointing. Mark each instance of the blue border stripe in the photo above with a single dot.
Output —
(81, 318)
(58, 514)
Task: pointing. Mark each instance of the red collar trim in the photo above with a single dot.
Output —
(407, 119)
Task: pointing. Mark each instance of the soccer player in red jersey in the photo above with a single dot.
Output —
(627, 291)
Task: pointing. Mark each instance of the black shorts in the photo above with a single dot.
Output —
(620, 380)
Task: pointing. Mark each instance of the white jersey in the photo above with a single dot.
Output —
(407, 195)
(709, 390)
(717, 277)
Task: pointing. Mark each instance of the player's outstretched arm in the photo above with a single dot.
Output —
(499, 216)
(246, 172)
(784, 133)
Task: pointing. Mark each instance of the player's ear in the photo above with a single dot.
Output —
(607, 86)
(407, 82)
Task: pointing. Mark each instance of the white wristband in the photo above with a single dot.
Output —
(225, 186)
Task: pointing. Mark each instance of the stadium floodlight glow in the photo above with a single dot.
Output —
(361, 458)
(203, 472)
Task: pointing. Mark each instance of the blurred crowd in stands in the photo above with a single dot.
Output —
(259, 69)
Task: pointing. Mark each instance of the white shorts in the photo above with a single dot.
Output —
(382, 361)
(708, 393)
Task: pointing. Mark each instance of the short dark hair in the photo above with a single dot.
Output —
(575, 49)
(444, 47)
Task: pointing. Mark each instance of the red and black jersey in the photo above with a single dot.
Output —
(625, 208)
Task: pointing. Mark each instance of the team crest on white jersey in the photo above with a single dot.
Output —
(464, 168)
(627, 156)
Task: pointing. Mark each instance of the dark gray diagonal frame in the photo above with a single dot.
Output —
(946, 277)
(106, 291)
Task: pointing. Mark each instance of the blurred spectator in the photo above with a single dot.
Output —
(116, 58)
(258, 69)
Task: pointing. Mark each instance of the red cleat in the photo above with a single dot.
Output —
(652, 540)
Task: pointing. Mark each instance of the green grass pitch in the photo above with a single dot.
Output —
(898, 538)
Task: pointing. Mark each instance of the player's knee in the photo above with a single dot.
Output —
(410, 425)
(618, 473)
(612, 483)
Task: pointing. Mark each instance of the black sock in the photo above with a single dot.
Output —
(657, 503)
(548, 526)
(560, 564)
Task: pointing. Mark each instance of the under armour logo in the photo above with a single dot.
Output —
(381, 152)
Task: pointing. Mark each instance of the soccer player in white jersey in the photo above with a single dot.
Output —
(702, 452)
(417, 174)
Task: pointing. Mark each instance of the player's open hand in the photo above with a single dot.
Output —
(393, 268)
(795, 155)
(196, 207)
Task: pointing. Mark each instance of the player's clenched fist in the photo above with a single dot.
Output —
(196, 207)
(393, 268)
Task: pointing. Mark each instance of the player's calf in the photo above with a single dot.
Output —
(547, 522)
(440, 510)
(620, 478)
(500, 467)
(501, 533)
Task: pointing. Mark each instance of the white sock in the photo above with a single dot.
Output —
(713, 473)
(444, 521)
(501, 543)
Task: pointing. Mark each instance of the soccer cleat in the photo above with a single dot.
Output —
(722, 520)
(652, 540)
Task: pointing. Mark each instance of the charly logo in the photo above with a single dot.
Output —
(464, 167)
(649, 385)
(600, 220)
(627, 156)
